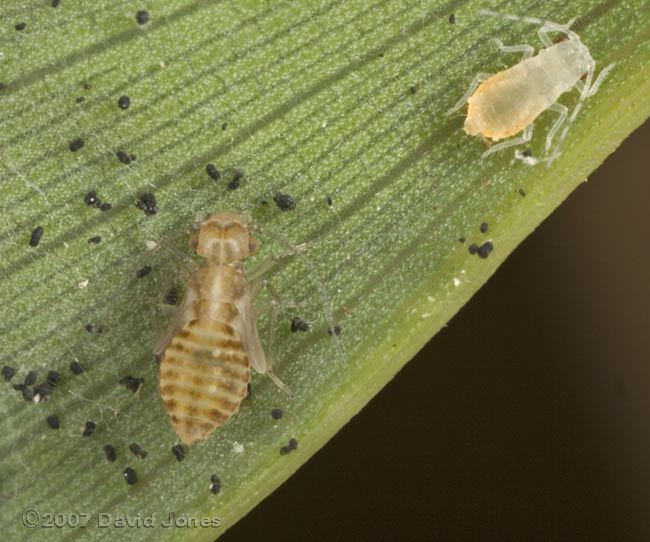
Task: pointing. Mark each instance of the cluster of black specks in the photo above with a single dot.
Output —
(89, 428)
(55, 3)
(131, 382)
(171, 297)
(212, 172)
(53, 421)
(92, 200)
(334, 330)
(224, 126)
(93, 328)
(329, 201)
(521, 192)
(290, 447)
(8, 373)
(298, 324)
(483, 251)
(80, 99)
(35, 237)
(109, 453)
(413, 90)
(142, 17)
(76, 368)
(20, 26)
(147, 203)
(137, 450)
(452, 19)
(30, 390)
(124, 157)
(284, 202)
(178, 451)
(215, 484)
(276, 414)
(484, 227)
(123, 102)
(527, 153)
(95, 240)
(87, 86)
(76, 144)
(235, 182)
(143, 271)
(461, 239)
(130, 476)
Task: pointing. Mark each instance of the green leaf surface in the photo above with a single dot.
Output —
(339, 100)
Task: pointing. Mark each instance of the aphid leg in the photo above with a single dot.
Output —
(525, 137)
(480, 78)
(601, 77)
(562, 111)
(586, 87)
(542, 32)
(528, 50)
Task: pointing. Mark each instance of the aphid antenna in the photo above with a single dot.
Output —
(549, 25)
(315, 278)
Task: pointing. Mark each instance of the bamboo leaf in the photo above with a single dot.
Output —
(337, 104)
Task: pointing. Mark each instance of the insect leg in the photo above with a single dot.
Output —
(601, 76)
(543, 37)
(270, 338)
(299, 251)
(480, 78)
(528, 50)
(562, 111)
(526, 136)
(262, 361)
(583, 96)
(269, 263)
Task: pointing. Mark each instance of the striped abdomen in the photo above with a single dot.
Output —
(204, 375)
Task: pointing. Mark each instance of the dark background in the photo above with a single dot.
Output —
(526, 418)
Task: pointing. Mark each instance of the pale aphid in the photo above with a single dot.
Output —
(504, 104)
(207, 352)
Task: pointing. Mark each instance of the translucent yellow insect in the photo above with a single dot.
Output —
(208, 349)
(504, 104)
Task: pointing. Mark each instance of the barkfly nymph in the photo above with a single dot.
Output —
(207, 352)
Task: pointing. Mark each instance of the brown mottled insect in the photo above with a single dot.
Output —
(212, 342)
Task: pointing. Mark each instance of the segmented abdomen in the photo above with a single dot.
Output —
(204, 375)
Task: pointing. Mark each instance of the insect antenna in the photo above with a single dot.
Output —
(548, 25)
